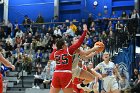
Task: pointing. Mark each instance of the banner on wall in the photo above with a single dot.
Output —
(124, 60)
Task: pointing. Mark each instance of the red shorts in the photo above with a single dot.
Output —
(62, 80)
(77, 90)
(1, 84)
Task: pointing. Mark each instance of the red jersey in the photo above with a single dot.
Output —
(63, 57)
(1, 84)
(63, 60)
(51, 57)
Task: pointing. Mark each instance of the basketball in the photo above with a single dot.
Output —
(101, 48)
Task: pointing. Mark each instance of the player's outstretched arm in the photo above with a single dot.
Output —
(75, 46)
(93, 49)
(6, 62)
(85, 57)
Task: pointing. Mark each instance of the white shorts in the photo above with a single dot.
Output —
(76, 72)
(110, 85)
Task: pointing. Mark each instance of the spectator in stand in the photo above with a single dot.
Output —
(37, 36)
(63, 28)
(57, 32)
(89, 20)
(39, 56)
(19, 33)
(43, 30)
(26, 22)
(50, 31)
(134, 22)
(38, 79)
(3, 22)
(45, 41)
(18, 40)
(69, 32)
(50, 69)
(73, 27)
(114, 15)
(8, 49)
(89, 42)
(40, 19)
(79, 29)
(110, 25)
(27, 65)
(10, 28)
(10, 40)
(18, 60)
(55, 19)
(135, 14)
(2, 33)
(110, 41)
(44, 77)
(39, 44)
(38, 68)
(92, 30)
(104, 37)
(136, 88)
(119, 26)
(124, 15)
(135, 75)
(124, 85)
(16, 28)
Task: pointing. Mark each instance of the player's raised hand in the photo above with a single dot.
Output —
(54, 46)
(85, 27)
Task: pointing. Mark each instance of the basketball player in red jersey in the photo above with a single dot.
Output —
(8, 64)
(62, 77)
(77, 80)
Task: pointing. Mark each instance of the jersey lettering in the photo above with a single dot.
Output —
(61, 59)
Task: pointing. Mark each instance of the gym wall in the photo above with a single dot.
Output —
(19, 8)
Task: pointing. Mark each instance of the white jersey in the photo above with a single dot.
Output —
(75, 61)
(107, 69)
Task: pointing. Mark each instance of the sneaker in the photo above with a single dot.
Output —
(34, 87)
(37, 87)
(84, 88)
(46, 81)
(93, 87)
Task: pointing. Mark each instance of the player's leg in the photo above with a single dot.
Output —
(115, 87)
(55, 84)
(75, 89)
(1, 84)
(66, 82)
(67, 90)
(55, 90)
(87, 76)
(116, 91)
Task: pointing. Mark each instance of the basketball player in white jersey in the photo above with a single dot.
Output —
(79, 72)
(107, 68)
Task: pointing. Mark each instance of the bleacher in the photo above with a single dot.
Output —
(26, 80)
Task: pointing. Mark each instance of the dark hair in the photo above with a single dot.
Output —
(60, 43)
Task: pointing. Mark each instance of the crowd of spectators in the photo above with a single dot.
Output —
(29, 44)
